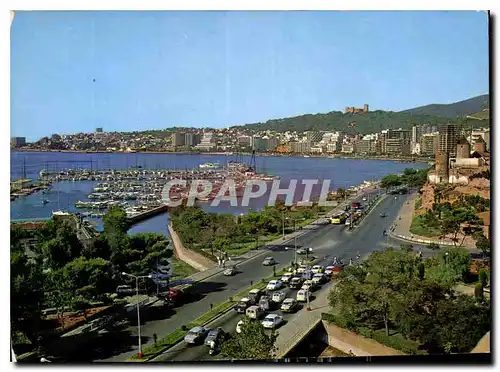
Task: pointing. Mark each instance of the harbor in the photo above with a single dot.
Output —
(139, 191)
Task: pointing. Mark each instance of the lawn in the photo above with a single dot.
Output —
(180, 269)
(418, 227)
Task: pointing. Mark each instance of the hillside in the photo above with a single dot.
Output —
(452, 110)
(370, 122)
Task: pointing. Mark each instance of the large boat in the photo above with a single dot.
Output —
(210, 166)
(60, 213)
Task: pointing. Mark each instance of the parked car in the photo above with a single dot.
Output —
(269, 261)
(242, 305)
(302, 295)
(317, 269)
(196, 335)
(272, 321)
(230, 271)
(278, 296)
(301, 251)
(286, 277)
(254, 312)
(296, 282)
(289, 305)
(274, 284)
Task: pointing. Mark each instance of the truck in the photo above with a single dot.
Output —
(178, 294)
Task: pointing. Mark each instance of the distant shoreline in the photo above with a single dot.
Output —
(373, 157)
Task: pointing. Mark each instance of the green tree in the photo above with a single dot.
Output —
(115, 226)
(391, 180)
(483, 278)
(483, 244)
(253, 343)
(27, 294)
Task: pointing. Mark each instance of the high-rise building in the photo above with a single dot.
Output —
(260, 144)
(396, 142)
(429, 143)
(245, 141)
(191, 139)
(207, 142)
(177, 139)
(448, 137)
(17, 141)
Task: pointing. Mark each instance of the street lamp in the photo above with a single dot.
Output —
(138, 307)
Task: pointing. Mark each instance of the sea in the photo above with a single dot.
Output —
(63, 195)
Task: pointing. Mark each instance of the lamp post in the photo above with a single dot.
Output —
(139, 354)
(283, 225)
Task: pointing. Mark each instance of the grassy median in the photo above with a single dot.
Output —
(178, 335)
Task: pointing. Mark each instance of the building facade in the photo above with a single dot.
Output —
(448, 138)
(429, 144)
(17, 141)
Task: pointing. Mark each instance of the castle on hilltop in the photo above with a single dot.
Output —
(355, 110)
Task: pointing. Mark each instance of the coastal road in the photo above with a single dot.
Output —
(328, 242)
(218, 288)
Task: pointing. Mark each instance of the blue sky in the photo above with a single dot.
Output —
(216, 69)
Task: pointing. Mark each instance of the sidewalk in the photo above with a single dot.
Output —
(401, 228)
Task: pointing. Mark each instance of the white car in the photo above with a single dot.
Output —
(274, 284)
(272, 321)
(364, 199)
(302, 295)
(318, 278)
(329, 270)
(308, 285)
(278, 296)
(239, 325)
(317, 269)
(286, 277)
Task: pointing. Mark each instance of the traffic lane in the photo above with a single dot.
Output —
(218, 289)
(185, 352)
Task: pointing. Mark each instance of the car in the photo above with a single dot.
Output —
(265, 303)
(302, 269)
(242, 305)
(289, 305)
(125, 289)
(383, 215)
(278, 296)
(296, 283)
(309, 285)
(213, 336)
(302, 295)
(319, 278)
(195, 335)
(254, 312)
(286, 277)
(269, 261)
(272, 321)
(274, 284)
(239, 325)
(364, 199)
(329, 270)
(301, 251)
(230, 271)
(317, 269)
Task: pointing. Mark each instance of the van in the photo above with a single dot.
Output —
(302, 295)
(265, 303)
(254, 312)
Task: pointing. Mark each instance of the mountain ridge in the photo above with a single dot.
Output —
(452, 110)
